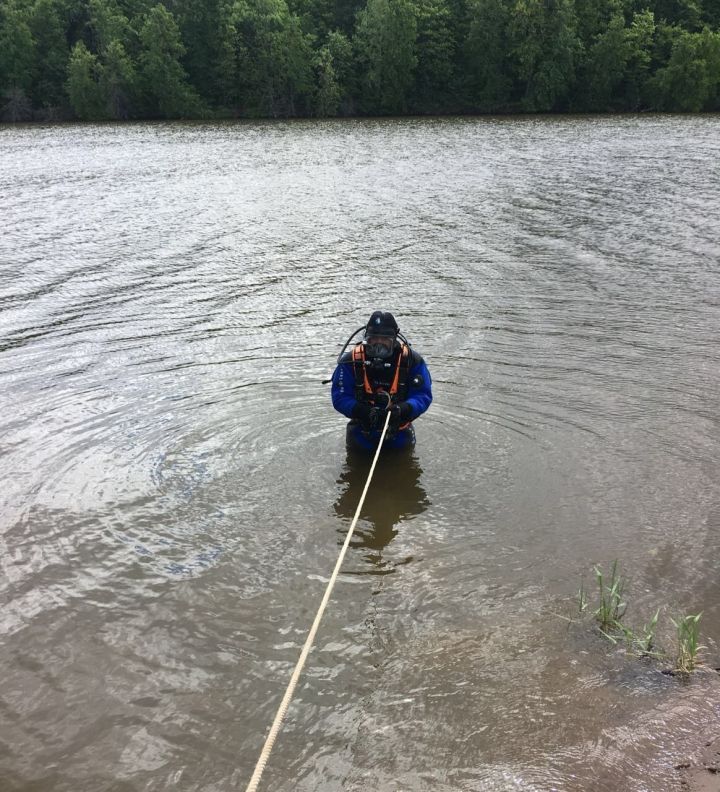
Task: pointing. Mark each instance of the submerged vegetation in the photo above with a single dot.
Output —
(119, 59)
(609, 617)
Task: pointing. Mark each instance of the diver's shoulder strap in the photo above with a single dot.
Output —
(362, 383)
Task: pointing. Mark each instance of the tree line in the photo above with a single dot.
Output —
(122, 59)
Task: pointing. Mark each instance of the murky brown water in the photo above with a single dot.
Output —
(175, 486)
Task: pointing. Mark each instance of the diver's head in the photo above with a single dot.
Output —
(381, 333)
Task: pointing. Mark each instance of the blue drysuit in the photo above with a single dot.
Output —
(418, 395)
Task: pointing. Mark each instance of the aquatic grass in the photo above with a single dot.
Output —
(612, 607)
(582, 596)
(688, 643)
(641, 643)
(609, 619)
(646, 640)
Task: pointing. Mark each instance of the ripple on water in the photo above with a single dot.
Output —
(175, 486)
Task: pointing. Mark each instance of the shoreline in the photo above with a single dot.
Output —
(702, 773)
(514, 115)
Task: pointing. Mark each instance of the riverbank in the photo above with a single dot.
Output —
(702, 773)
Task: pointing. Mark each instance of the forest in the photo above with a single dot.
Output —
(140, 59)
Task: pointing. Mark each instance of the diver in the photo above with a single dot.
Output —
(381, 374)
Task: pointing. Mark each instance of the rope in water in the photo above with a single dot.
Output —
(285, 703)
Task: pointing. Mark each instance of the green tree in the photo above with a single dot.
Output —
(328, 92)
(174, 58)
(385, 46)
(711, 14)
(605, 66)
(83, 84)
(17, 51)
(317, 17)
(685, 13)
(435, 47)
(274, 59)
(335, 77)
(118, 81)
(615, 69)
(296, 67)
(162, 76)
(593, 17)
(108, 23)
(113, 35)
(206, 36)
(345, 17)
(16, 106)
(343, 56)
(640, 38)
(488, 83)
(225, 83)
(52, 54)
(691, 80)
(545, 49)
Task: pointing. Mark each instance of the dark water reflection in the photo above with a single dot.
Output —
(175, 483)
(396, 497)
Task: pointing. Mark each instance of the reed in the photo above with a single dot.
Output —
(641, 643)
(645, 640)
(688, 643)
(609, 617)
(612, 607)
(582, 596)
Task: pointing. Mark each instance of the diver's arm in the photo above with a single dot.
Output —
(343, 390)
(419, 389)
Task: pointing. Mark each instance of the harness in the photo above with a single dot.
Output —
(364, 391)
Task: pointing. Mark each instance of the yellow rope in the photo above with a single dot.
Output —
(285, 703)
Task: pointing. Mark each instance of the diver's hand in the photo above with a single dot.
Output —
(369, 417)
(375, 418)
(399, 414)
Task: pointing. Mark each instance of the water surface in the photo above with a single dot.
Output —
(176, 488)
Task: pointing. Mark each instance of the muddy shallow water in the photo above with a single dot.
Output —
(176, 487)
